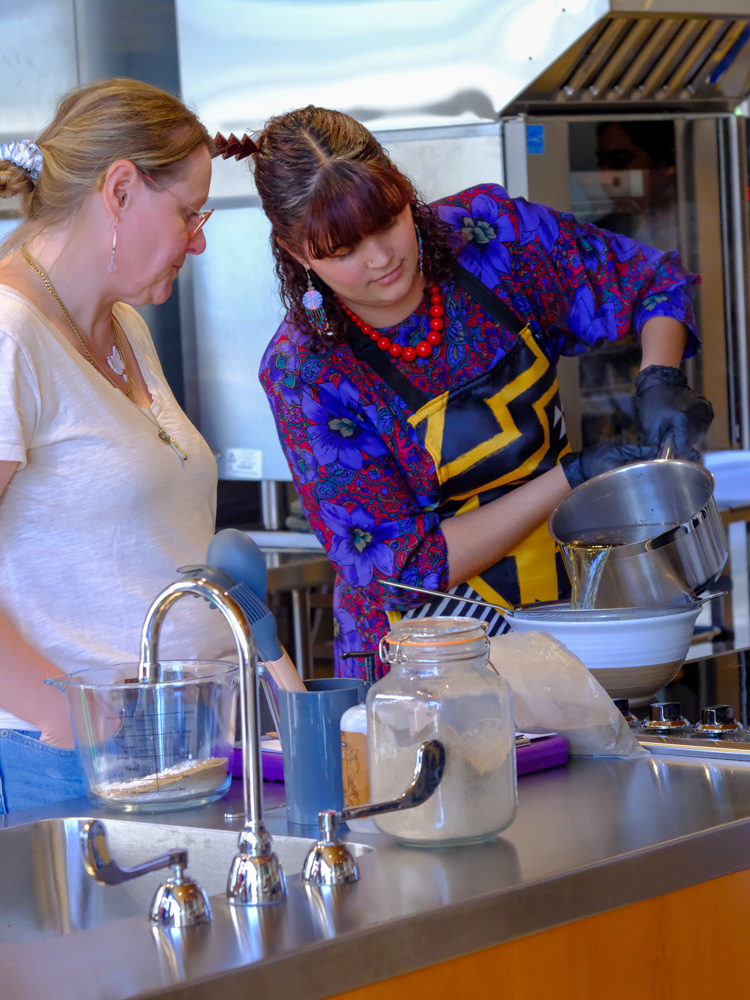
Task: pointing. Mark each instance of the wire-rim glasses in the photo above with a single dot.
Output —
(203, 217)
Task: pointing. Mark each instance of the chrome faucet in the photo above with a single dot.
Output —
(255, 877)
(180, 902)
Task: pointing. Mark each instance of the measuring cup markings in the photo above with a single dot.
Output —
(160, 745)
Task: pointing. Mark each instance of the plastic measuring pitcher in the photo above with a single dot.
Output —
(154, 746)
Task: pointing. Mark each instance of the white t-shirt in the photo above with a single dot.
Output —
(100, 513)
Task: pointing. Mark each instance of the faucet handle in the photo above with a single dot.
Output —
(329, 861)
(180, 902)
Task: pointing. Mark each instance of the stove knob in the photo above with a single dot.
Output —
(624, 706)
(665, 715)
(717, 719)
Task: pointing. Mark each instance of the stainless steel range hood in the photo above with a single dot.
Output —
(649, 56)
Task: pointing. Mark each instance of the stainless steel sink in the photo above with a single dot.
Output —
(45, 891)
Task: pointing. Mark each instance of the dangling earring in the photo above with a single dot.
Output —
(312, 301)
(112, 267)
(420, 251)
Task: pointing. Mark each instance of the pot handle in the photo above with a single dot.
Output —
(710, 597)
(667, 448)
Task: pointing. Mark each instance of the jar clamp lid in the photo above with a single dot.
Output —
(432, 640)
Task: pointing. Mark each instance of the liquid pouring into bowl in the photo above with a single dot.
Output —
(586, 557)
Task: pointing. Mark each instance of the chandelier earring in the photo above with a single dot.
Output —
(312, 301)
(420, 251)
(112, 267)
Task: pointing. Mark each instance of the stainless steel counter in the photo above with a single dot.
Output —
(590, 836)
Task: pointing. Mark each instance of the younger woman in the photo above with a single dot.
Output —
(413, 380)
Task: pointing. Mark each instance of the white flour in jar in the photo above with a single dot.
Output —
(476, 797)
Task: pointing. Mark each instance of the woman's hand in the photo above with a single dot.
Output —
(670, 411)
(579, 466)
(23, 693)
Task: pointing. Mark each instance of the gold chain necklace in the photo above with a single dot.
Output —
(122, 369)
(125, 373)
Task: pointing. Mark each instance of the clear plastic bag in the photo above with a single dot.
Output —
(553, 692)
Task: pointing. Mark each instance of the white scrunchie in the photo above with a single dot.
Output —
(25, 154)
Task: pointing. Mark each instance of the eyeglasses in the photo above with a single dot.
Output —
(203, 217)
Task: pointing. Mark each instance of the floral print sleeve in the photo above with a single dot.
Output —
(580, 285)
(361, 477)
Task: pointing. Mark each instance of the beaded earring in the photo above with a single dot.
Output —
(312, 302)
(420, 251)
(112, 267)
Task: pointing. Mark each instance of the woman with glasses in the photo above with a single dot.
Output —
(413, 380)
(106, 488)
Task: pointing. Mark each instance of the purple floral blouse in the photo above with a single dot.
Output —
(367, 485)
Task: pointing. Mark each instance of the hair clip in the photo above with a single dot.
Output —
(24, 154)
(238, 148)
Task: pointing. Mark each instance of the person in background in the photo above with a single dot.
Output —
(645, 152)
(413, 380)
(105, 486)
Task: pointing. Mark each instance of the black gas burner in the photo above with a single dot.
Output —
(716, 734)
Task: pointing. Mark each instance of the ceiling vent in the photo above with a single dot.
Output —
(646, 63)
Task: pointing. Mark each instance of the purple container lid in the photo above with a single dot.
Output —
(271, 765)
(549, 751)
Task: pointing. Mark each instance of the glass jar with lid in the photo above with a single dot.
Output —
(441, 686)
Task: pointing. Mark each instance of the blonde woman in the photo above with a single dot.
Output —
(105, 485)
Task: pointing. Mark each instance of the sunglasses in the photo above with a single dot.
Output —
(202, 217)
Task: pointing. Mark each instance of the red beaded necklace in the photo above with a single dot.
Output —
(423, 348)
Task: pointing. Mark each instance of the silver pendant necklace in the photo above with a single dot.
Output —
(167, 438)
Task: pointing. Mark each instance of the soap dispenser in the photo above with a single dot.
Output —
(354, 751)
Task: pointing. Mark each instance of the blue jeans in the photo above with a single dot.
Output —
(33, 773)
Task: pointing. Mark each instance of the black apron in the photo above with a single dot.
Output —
(486, 438)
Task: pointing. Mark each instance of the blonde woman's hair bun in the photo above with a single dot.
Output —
(13, 180)
(20, 167)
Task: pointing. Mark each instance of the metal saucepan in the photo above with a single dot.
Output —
(660, 526)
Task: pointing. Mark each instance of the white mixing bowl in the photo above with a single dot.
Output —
(632, 652)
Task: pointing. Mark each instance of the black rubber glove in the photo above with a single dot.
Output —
(670, 411)
(579, 466)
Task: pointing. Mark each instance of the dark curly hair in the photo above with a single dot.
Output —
(326, 183)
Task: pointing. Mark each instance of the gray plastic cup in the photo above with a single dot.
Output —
(311, 747)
